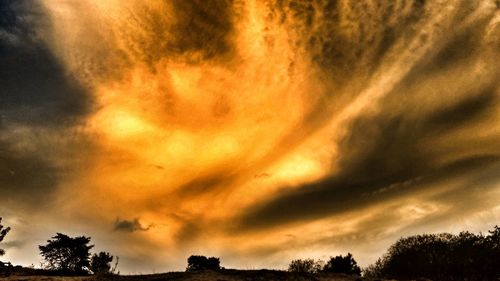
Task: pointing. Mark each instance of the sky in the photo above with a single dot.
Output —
(257, 131)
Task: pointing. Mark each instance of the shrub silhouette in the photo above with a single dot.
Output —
(305, 266)
(341, 264)
(3, 233)
(465, 256)
(374, 271)
(67, 255)
(101, 263)
(196, 263)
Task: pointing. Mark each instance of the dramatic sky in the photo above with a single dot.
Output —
(258, 131)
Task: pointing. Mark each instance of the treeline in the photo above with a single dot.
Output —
(466, 256)
(339, 264)
(444, 257)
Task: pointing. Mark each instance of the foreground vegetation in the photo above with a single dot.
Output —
(466, 256)
(443, 257)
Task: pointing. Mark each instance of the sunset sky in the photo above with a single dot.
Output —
(257, 131)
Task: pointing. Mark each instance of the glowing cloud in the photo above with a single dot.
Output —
(205, 124)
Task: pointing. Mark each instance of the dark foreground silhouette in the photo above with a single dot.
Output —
(208, 275)
(443, 257)
(438, 257)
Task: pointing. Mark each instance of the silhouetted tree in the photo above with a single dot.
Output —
(341, 264)
(492, 256)
(305, 266)
(101, 263)
(66, 254)
(3, 233)
(202, 263)
(374, 271)
(465, 256)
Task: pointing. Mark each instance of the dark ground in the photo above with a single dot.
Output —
(223, 275)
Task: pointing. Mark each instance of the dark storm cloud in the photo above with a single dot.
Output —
(338, 196)
(464, 111)
(130, 225)
(382, 158)
(38, 100)
(36, 90)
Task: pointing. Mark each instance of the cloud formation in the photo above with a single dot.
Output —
(328, 125)
(129, 225)
(40, 103)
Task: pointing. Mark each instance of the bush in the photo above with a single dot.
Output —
(465, 256)
(305, 266)
(374, 271)
(341, 264)
(196, 263)
(101, 263)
